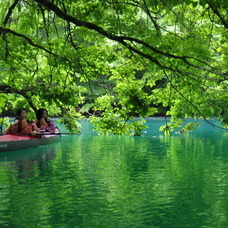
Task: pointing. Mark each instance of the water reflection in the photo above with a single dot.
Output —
(117, 181)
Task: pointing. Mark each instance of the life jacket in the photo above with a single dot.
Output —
(46, 125)
(22, 127)
(41, 123)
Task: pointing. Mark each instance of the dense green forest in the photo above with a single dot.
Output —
(114, 60)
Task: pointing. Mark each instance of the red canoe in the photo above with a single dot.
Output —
(17, 142)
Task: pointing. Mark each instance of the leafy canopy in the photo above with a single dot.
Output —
(118, 59)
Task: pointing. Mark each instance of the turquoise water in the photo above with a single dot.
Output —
(118, 181)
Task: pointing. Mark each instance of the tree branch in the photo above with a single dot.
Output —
(123, 39)
(9, 89)
(6, 30)
(8, 15)
(192, 104)
(216, 12)
(10, 11)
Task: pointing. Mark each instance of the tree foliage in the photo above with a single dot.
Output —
(118, 58)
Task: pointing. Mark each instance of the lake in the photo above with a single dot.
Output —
(118, 181)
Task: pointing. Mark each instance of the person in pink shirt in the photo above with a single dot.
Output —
(42, 121)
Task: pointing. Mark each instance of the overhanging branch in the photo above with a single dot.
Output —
(10, 11)
(9, 89)
(216, 12)
(7, 30)
(125, 40)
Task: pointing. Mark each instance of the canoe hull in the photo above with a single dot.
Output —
(18, 142)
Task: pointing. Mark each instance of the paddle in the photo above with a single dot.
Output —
(43, 132)
(58, 133)
(1, 134)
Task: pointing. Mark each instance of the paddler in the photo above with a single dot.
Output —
(43, 123)
(22, 125)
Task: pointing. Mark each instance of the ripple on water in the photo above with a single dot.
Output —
(117, 181)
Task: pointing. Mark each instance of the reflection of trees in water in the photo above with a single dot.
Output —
(28, 163)
(169, 177)
(30, 167)
(126, 181)
(21, 174)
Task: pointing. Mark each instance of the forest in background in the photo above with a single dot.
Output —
(113, 60)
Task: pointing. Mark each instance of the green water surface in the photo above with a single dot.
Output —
(118, 181)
